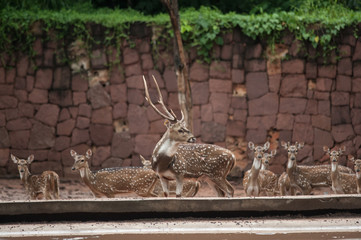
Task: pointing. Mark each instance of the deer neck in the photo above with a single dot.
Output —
(87, 175)
(358, 182)
(166, 146)
(358, 177)
(263, 167)
(256, 167)
(291, 167)
(334, 170)
(25, 178)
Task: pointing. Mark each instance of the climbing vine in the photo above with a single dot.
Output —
(201, 29)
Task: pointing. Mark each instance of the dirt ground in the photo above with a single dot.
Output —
(330, 226)
(12, 189)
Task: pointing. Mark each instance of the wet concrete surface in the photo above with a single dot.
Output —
(320, 227)
(300, 225)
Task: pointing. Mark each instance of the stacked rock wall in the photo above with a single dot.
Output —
(249, 92)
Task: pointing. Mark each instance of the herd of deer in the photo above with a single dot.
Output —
(178, 163)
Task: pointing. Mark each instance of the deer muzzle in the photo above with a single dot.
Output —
(191, 140)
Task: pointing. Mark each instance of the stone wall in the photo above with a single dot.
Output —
(248, 93)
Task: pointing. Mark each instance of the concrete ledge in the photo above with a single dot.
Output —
(185, 205)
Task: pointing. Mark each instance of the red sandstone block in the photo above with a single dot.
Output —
(327, 71)
(102, 116)
(200, 92)
(66, 127)
(100, 155)
(43, 78)
(48, 114)
(41, 136)
(22, 66)
(220, 70)
(342, 132)
(256, 84)
(219, 85)
(357, 52)
(130, 56)
(256, 65)
(344, 67)
(293, 66)
(99, 59)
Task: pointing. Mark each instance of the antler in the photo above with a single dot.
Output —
(168, 114)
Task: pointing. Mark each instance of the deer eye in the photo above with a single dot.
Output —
(180, 131)
(82, 160)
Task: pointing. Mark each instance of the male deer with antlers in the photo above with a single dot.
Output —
(111, 181)
(341, 182)
(190, 186)
(176, 156)
(304, 178)
(45, 185)
(257, 180)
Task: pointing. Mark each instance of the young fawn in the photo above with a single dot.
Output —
(256, 180)
(190, 186)
(177, 156)
(341, 182)
(45, 185)
(111, 181)
(303, 178)
(357, 168)
(268, 180)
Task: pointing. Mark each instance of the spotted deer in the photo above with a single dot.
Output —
(177, 156)
(45, 185)
(112, 181)
(256, 180)
(267, 158)
(190, 186)
(357, 168)
(341, 182)
(303, 178)
(268, 179)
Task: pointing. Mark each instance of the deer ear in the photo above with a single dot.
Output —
(266, 145)
(300, 145)
(251, 145)
(15, 160)
(144, 161)
(72, 153)
(342, 149)
(273, 152)
(326, 149)
(30, 158)
(284, 144)
(167, 123)
(89, 153)
(351, 158)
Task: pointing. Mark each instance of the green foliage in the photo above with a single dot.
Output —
(312, 22)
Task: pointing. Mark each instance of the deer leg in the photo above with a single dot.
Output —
(213, 185)
(179, 188)
(97, 195)
(164, 183)
(222, 185)
(150, 191)
(56, 188)
(229, 188)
